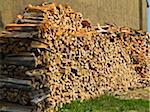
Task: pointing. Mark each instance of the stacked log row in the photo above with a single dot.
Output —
(51, 56)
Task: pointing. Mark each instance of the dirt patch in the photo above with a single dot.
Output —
(136, 94)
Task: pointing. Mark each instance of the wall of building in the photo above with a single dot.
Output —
(10, 8)
(130, 13)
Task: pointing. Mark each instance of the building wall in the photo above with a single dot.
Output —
(10, 8)
(130, 13)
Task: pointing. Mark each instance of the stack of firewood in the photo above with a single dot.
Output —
(51, 56)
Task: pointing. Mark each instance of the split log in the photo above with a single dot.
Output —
(16, 86)
(15, 81)
(37, 100)
(37, 44)
(22, 27)
(74, 59)
(33, 15)
(21, 54)
(11, 107)
(33, 18)
(25, 61)
(28, 21)
(20, 35)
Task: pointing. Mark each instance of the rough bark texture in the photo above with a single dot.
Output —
(130, 13)
(63, 58)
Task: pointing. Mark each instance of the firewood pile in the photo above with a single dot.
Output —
(51, 56)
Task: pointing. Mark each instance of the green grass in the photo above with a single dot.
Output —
(107, 104)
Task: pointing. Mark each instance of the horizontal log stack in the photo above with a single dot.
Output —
(51, 56)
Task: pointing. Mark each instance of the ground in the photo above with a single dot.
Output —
(132, 101)
(143, 93)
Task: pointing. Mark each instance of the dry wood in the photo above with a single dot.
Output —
(28, 21)
(22, 27)
(37, 100)
(22, 54)
(15, 81)
(11, 107)
(26, 61)
(15, 86)
(36, 44)
(74, 59)
(33, 18)
(20, 35)
(33, 15)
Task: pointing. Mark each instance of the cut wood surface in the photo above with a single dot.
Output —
(65, 58)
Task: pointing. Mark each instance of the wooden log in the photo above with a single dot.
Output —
(37, 44)
(43, 8)
(34, 15)
(28, 21)
(25, 61)
(15, 81)
(39, 99)
(15, 95)
(11, 107)
(22, 27)
(80, 61)
(33, 18)
(21, 54)
(16, 86)
(20, 35)
(5, 32)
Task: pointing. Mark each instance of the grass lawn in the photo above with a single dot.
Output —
(107, 104)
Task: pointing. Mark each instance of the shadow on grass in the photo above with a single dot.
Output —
(107, 104)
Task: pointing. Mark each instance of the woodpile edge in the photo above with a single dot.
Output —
(51, 56)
